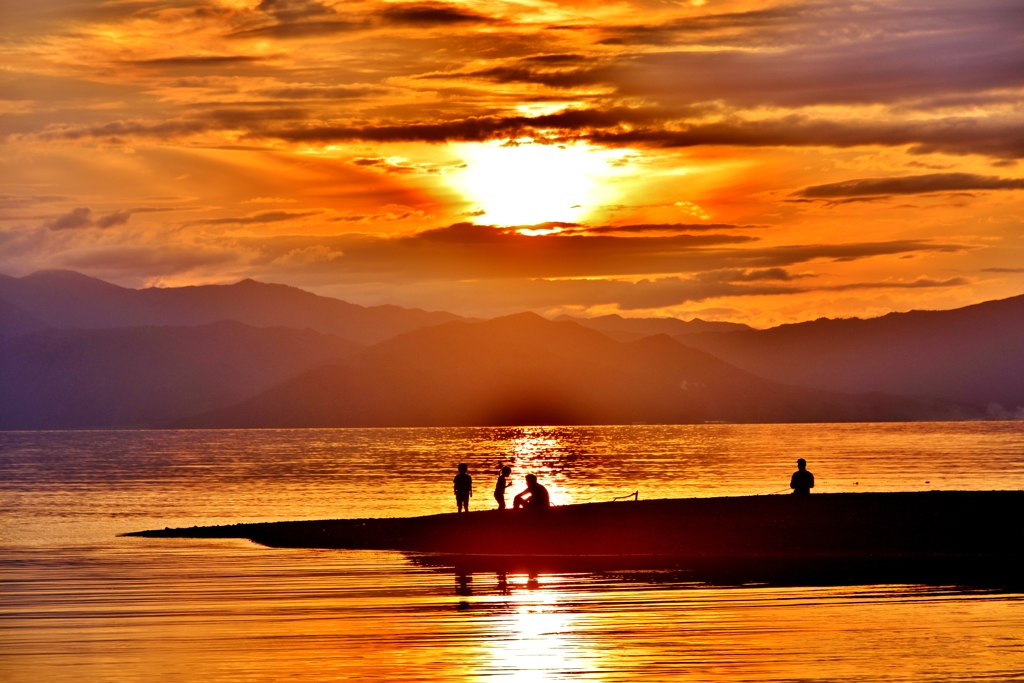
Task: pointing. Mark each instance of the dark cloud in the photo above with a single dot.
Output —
(644, 294)
(555, 78)
(915, 184)
(651, 293)
(1002, 270)
(1000, 138)
(297, 19)
(301, 29)
(17, 201)
(827, 53)
(119, 130)
(341, 92)
(474, 252)
(472, 129)
(303, 19)
(784, 256)
(919, 283)
(736, 275)
(572, 58)
(199, 61)
(997, 137)
(858, 72)
(295, 10)
(112, 219)
(76, 218)
(430, 14)
(82, 218)
(660, 227)
(718, 27)
(255, 219)
(150, 260)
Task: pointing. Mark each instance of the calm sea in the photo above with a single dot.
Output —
(78, 603)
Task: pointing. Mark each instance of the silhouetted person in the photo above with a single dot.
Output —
(802, 481)
(463, 587)
(499, 487)
(534, 497)
(463, 488)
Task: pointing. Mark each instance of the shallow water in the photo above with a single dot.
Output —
(78, 603)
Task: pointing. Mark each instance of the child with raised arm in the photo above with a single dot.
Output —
(463, 488)
(499, 487)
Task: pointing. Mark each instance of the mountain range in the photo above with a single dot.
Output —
(66, 299)
(524, 369)
(148, 376)
(971, 355)
(76, 352)
(631, 329)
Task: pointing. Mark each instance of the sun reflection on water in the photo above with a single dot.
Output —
(532, 632)
(78, 603)
(533, 646)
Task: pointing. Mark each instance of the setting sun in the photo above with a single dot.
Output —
(531, 183)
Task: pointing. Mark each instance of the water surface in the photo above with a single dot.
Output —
(80, 604)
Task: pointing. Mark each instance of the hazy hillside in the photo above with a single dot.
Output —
(145, 376)
(971, 355)
(15, 322)
(524, 369)
(631, 329)
(66, 299)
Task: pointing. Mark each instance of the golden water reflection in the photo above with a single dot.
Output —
(229, 611)
(78, 604)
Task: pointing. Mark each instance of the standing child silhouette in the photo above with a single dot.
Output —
(499, 487)
(463, 488)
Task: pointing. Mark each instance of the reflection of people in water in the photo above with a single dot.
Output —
(534, 497)
(802, 481)
(463, 488)
(499, 487)
(463, 587)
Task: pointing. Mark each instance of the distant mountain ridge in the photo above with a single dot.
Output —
(524, 369)
(15, 322)
(631, 329)
(67, 299)
(971, 355)
(77, 352)
(146, 376)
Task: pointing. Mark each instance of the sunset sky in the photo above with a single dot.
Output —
(755, 161)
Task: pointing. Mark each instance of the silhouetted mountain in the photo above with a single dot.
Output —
(523, 369)
(145, 376)
(15, 322)
(970, 355)
(66, 299)
(631, 329)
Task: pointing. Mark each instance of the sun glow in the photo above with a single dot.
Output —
(529, 183)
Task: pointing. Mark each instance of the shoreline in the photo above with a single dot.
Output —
(968, 537)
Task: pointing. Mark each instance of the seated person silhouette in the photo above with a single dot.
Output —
(802, 481)
(535, 497)
(463, 488)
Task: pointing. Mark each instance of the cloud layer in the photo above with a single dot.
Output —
(781, 160)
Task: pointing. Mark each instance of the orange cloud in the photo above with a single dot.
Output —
(679, 140)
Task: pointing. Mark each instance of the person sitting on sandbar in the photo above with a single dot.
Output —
(802, 481)
(535, 497)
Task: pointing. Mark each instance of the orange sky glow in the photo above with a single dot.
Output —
(749, 160)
